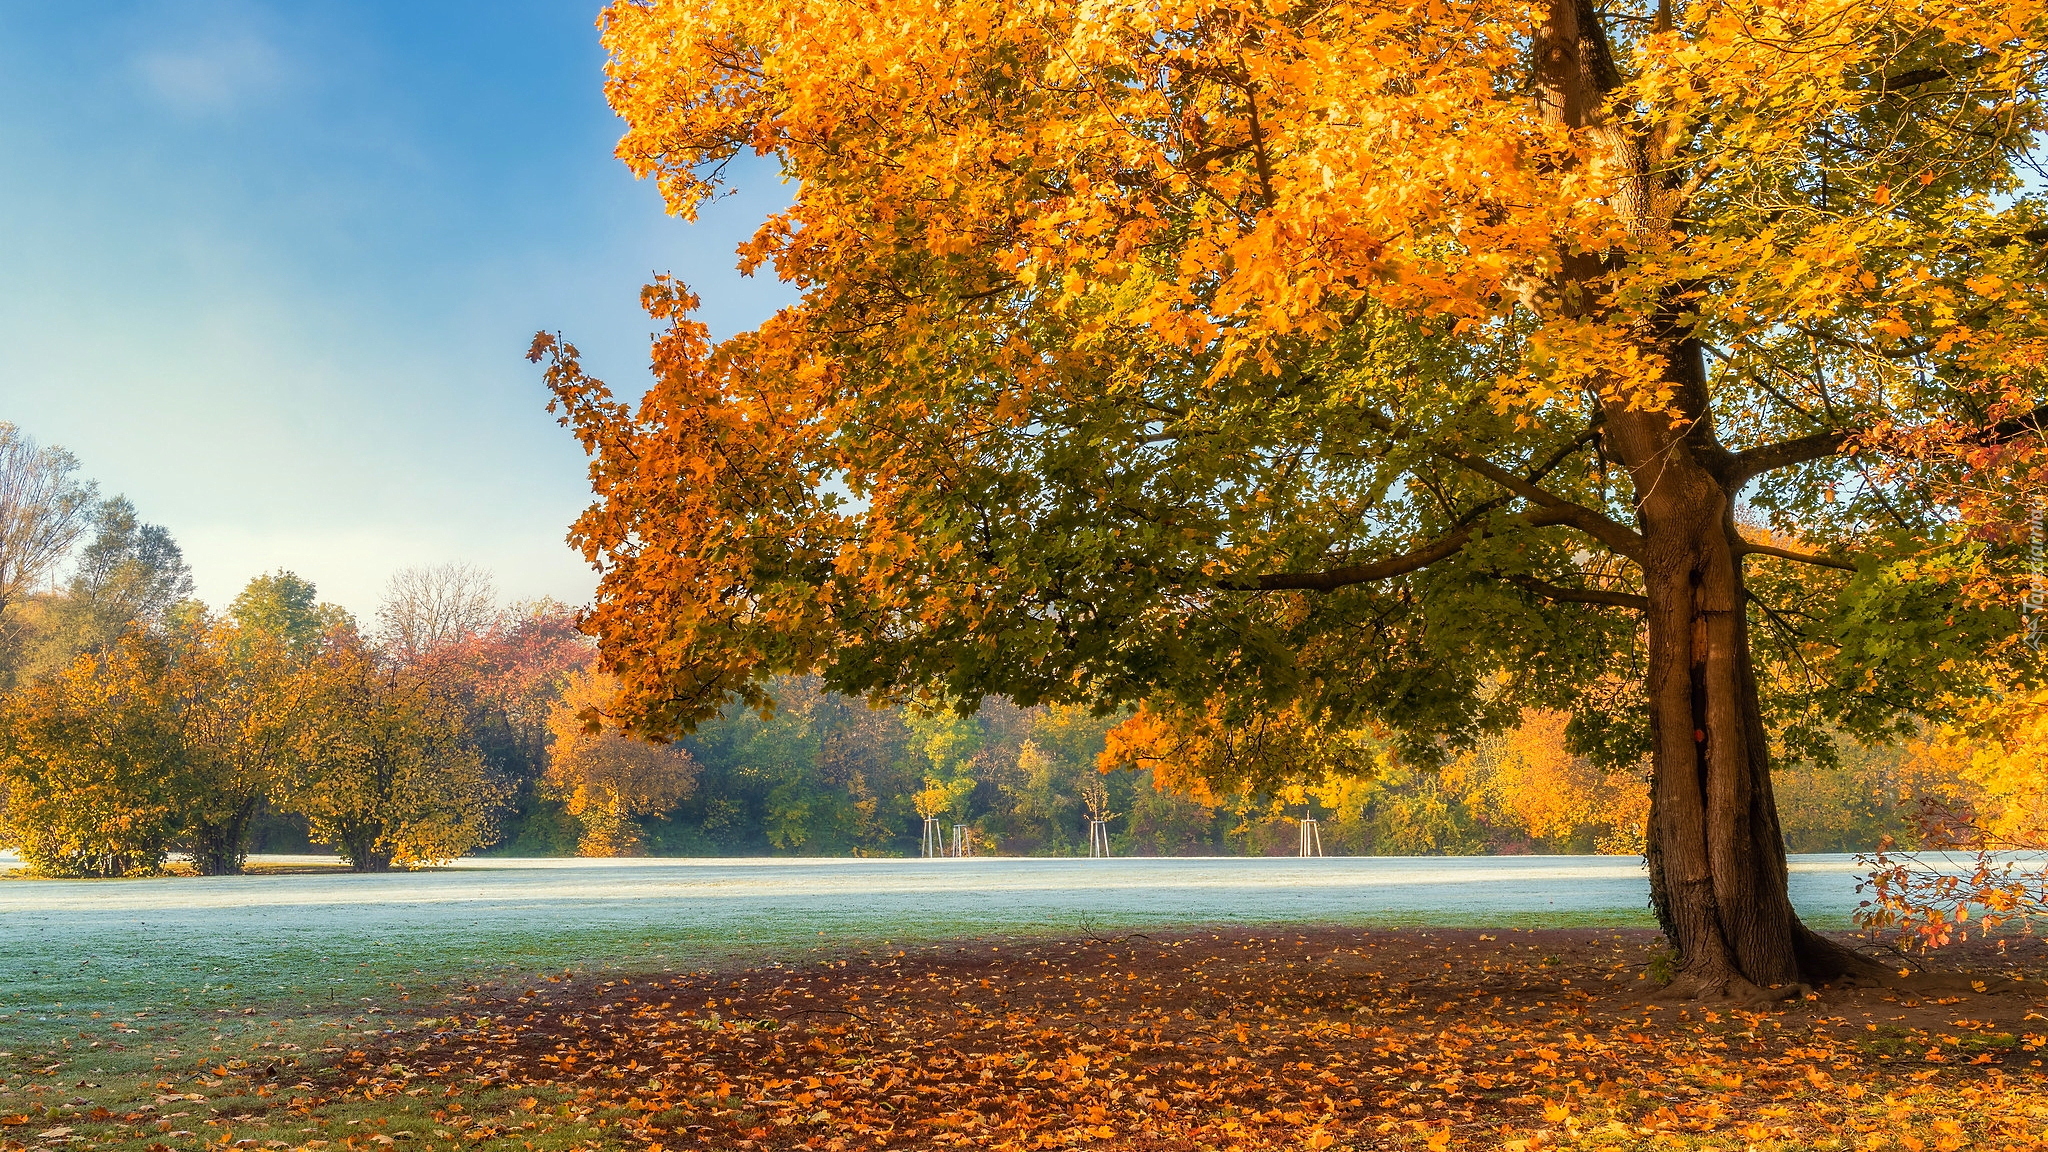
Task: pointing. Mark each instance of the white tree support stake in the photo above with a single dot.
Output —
(934, 843)
(1098, 839)
(1311, 837)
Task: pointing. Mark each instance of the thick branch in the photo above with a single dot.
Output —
(1581, 595)
(1820, 445)
(1617, 536)
(1563, 453)
(1443, 547)
(1259, 157)
(1914, 77)
(1334, 578)
(2030, 236)
(1785, 453)
(1815, 558)
(2007, 430)
(1565, 450)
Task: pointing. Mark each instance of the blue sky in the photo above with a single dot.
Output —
(270, 270)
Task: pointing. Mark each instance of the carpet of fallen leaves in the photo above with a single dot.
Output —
(1214, 1040)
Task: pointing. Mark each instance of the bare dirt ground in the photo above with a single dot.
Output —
(1240, 1038)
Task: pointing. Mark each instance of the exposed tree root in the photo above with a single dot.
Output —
(1721, 986)
(1823, 963)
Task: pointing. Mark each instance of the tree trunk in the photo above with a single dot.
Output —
(1716, 854)
(220, 847)
(1718, 876)
(358, 842)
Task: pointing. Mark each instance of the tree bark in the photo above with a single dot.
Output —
(1718, 876)
(1717, 863)
(220, 847)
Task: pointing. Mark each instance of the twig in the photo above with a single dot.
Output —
(1090, 929)
(823, 1011)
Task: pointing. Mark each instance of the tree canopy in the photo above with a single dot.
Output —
(44, 509)
(1109, 313)
(131, 574)
(1402, 366)
(605, 777)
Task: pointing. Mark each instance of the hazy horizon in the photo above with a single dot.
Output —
(270, 273)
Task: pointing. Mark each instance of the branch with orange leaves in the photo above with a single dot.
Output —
(1754, 462)
(1963, 871)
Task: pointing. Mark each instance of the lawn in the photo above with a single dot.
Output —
(694, 1005)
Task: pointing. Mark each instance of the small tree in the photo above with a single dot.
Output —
(130, 575)
(426, 608)
(169, 737)
(1528, 779)
(241, 715)
(948, 744)
(286, 606)
(44, 509)
(508, 678)
(605, 777)
(379, 762)
(94, 773)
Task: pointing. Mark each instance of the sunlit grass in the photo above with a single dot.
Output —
(122, 1015)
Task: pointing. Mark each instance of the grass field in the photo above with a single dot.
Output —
(308, 939)
(120, 996)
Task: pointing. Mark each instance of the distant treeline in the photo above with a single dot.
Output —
(827, 775)
(135, 723)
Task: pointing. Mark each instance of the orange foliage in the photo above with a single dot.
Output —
(1523, 783)
(1527, 779)
(1978, 856)
(1193, 753)
(1145, 739)
(1130, 222)
(1999, 767)
(605, 777)
(1252, 1042)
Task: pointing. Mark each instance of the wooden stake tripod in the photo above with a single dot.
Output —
(1311, 837)
(1098, 839)
(1095, 795)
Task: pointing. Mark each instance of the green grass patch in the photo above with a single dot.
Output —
(122, 1023)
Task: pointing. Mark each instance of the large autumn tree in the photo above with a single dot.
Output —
(95, 771)
(1397, 365)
